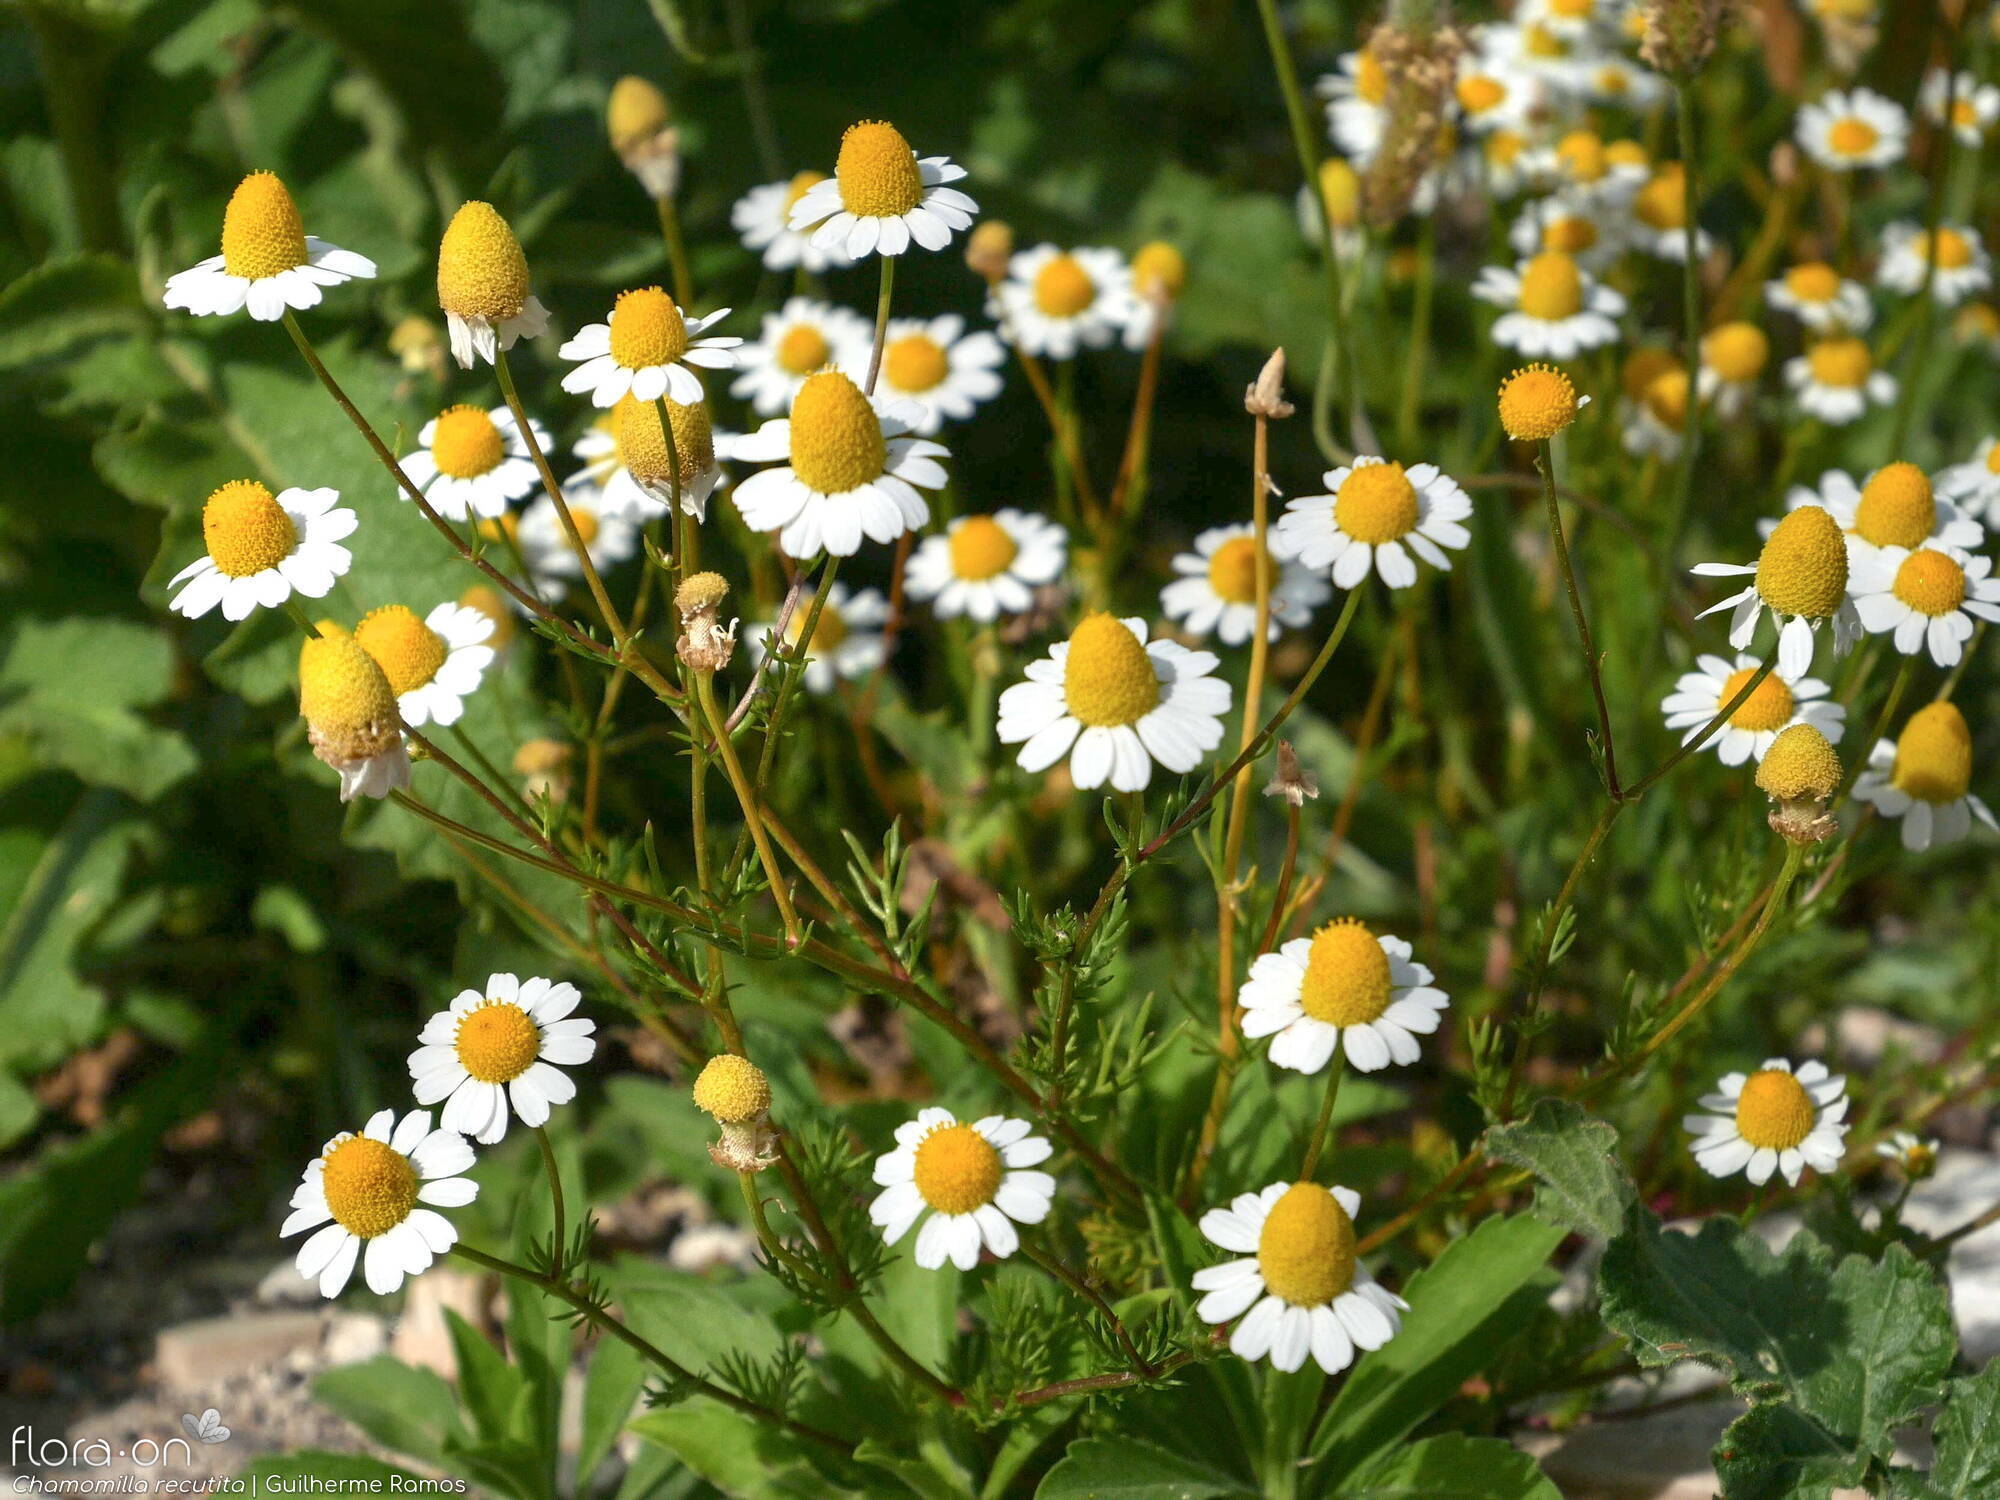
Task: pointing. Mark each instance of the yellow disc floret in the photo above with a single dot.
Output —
(1376, 503)
(642, 442)
(1737, 352)
(636, 112)
(1930, 582)
(1843, 363)
(1803, 567)
(348, 704)
(1774, 1112)
(482, 273)
(827, 635)
(982, 548)
(915, 363)
(1934, 754)
(1852, 137)
(1232, 570)
(1768, 707)
(956, 1169)
(1340, 192)
(802, 350)
(407, 650)
(496, 1042)
(1667, 398)
(1800, 766)
(246, 530)
(837, 443)
(1536, 402)
(1581, 154)
(370, 1186)
(1108, 678)
(1479, 92)
(1347, 975)
(878, 172)
(466, 443)
(1951, 250)
(733, 1089)
(1371, 81)
(1570, 233)
(1159, 270)
(1551, 287)
(1063, 289)
(1305, 1252)
(647, 329)
(1662, 202)
(1897, 508)
(1815, 281)
(261, 230)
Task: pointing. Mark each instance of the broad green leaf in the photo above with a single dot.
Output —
(738, 1456)
(70, 687)
(1967, 1433)
(1123, 1468)
(611, 1388)
(401, 1407)
(1774, 1452)
(62, 302)
(1581, 1184)
(932, 1475)
(1451, 1467)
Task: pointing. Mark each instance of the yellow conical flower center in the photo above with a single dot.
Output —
(1815, 281)
(1964, 112)
(1612, 81)
(982, 548)
(261, 231)
(1769, 707)
(1538, 41)
(1736, 351)
(466, 443)
(1370, 81)
(878, 172)
(1347, 975)
(802, 350)
(1570, 233)
(1551, 287)
(957, 1169)
(585, 520)
(827, 634)
(1641, 368)
(1504, 147)
(635, 113)
(1376, 503)
(407, 650)
(370, 1186)
(642, 444)
(1571, 10)
(496, 527)
(1897, 508)
(1629, 154)
(1536, 402)
(1952, 249)
(1800, 766)
(496, 1042)
(1340, 191)
(1479, 92)
(1852, 137)
(1063, 288)
(647, 329)
(837, 442)
(1993, 459)
(1934, 754)
(246, 529)
(346, 698)
(1803, 567)
(1232, 570)
(1159, 270)
(1581, 153)
(733, 1089)
(481, 270)
(1305, 1252)
(801, 184)
(1662, 202)
(1930, 582)
(1108, 678)
(1774, 1112)
(916, 363)
(1667, 398)
(1844, 363)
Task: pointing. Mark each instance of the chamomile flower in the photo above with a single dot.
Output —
(482, 284)
(1819, 297)
(655, 469)
(1216, 593)
(263, 549)
(883, 196)
(934, 367)
(1055, 302)
(1607, 78)
(1801, 578)
(1914, 1154)
(1897, 507)
(976, 1181)
(1552, 306)
(1586, 166)
(762, 219)
(352, 719)
(1975, 484)
(434, 663)
(1357, 110)
(1926, 597)
(1341, 990)
(473, 462)
(1658, 222)
(1975, 106)
(1777, 703)
(1374, 514)
(268, 262)
(984, 567)
(1733, 356)
(1962, 264)
(1924, 778)
(1847, 129)
(1120, 701)
(1300, 1289)
(1587, 231)
(499, 1053)
(797, 341)
(380, 1189)
(1772, 1120)
(852, 472)
(608, 539)
(1536, 402)
(1836, 380)
(1572, 20)
(1656, 422)
(846, 644)
(1493, 94)
(645, 350)
(1339, 205)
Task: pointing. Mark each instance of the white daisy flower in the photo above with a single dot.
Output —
(1926, 597)
(1778, 702)
(1302, 1287)
(1975, 484)
(1963, 266)
(380, 1188)
(473, 462)
(1339, 204)
(1924, 778)
(1055, 302)
(852, 471)
(984, 567)
(1975, 106)
(1492, 93)
(645, 351)
(1836, 380)
(976, 1181)
(883, 196)
(635, 472)
(1607, 78)
(1772, 1120)
(608, 539)
(1733, 357)
(1121, 701)
(263, 549)
(352, 719)
(1914, 1154)
(1572, 20)
(1374, 514)
(268, 262)
(1897, 507)
(1844, 130)
(1216, 593)
(1357, 110)
(1658, 222)
(762, 218)
(1553, 307)
(500, 1053)
(1819, 297)
(797, 341)
(847, 643)
(1801, 578)
(1341, 990)
(1584, 165)
(483, 287)
(1501, 163)
(434, 663)
(1656, 422)
(934, 366)
(1590, 232)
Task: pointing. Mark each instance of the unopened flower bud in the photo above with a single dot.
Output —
(639, 123)
(988, 249)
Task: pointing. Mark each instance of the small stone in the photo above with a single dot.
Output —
(198, 1355)
(351, 1337)
(422, 1337)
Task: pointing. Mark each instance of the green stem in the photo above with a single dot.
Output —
(1335, 1071)
(746, 797)
(881, 319)
(558, 1243)
(1545, 463)
(677, 259)
(1075, 1281)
